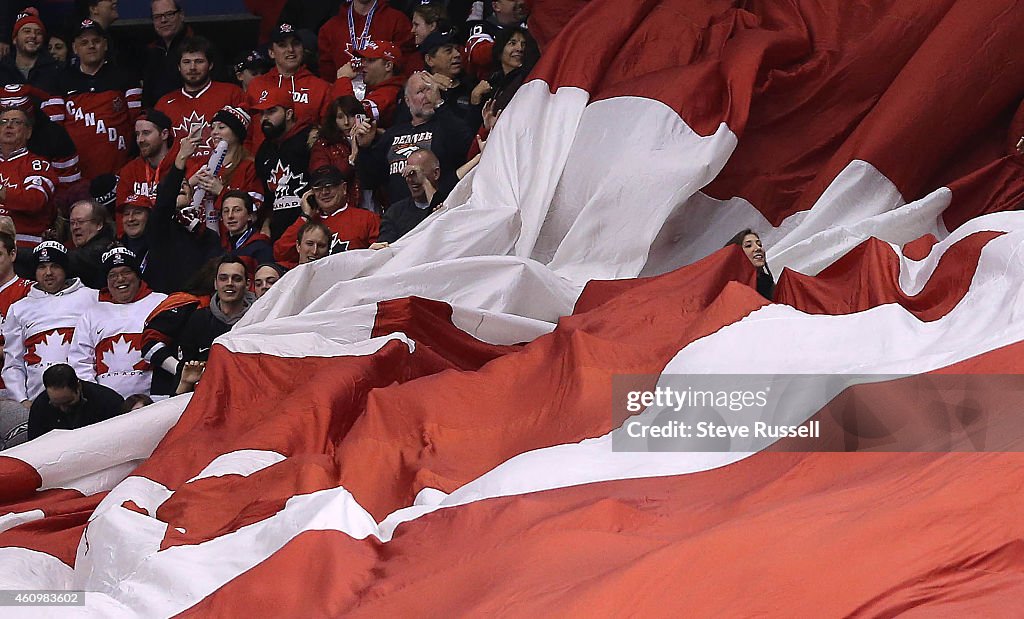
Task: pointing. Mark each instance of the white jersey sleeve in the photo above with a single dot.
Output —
(82, 354)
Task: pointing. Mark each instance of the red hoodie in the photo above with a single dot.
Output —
(382, 98)
(311, 95)
(335, 41)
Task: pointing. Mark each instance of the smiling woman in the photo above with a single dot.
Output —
(750, 242)
(426, 18)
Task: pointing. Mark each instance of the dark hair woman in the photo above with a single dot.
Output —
(332, 146)
(513, 56)
(750, 243)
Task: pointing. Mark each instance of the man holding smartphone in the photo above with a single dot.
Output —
(325, 202)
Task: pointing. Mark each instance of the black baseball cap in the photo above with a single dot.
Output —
(435, 40)
(87, 25)
(282, 32)
(326, 175)
(254, 60)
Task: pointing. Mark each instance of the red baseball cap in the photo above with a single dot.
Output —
(273, 98)
(379, 49)
(138, 200)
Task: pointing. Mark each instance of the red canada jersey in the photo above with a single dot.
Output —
(138, 177)
(353, 228)
(14, 290)
(188, 111)
(30, 181)
(310, 94)
(99, 115)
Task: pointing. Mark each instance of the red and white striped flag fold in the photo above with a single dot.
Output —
(427, 429)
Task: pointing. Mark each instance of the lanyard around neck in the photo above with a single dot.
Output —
(361, 42)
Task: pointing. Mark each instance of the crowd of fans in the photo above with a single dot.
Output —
(144, 206)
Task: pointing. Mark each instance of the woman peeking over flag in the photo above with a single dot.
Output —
(750, 242)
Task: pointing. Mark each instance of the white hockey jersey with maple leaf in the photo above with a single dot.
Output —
(37, 334)
(107, 346)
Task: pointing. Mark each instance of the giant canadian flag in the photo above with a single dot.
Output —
(425, 430)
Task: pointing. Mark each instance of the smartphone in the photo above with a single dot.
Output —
(362, 118)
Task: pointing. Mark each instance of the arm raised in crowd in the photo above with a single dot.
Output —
(371, 162)
(165, 207)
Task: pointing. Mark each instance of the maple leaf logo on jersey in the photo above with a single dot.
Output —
(281, 179)
(49, 347)
(120, 354)
(337, 245)
(118, 104)
(191, 122)
(6, 182)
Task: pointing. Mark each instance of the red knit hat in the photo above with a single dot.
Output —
(26, 17)
(236, 118)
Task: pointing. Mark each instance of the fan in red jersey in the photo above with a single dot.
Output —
(100, 103)
(200, 98)
(309, 94)
(376, 83)
(141, 175)
(27, 181)
(49, 138)
(238, 171)
(13, 416)
(326, 202)
(107, 345)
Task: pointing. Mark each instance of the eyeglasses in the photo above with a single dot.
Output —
(165, 16)
(16, 122)
(323, 188)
